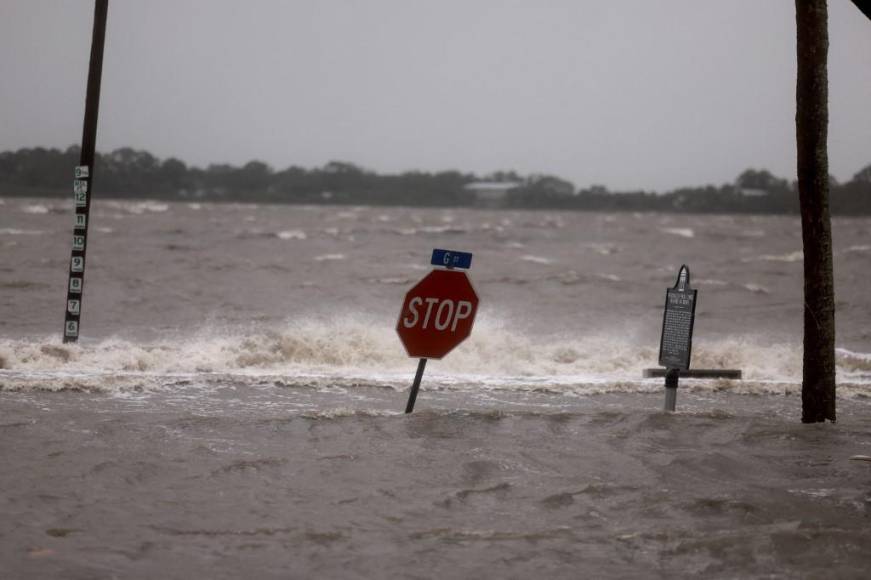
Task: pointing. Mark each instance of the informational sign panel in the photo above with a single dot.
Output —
(437, 314)
(676, 342)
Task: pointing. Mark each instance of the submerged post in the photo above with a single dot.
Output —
(671, 378)
(412, 396)
(811, 128)
(84, 176)
(676, 341)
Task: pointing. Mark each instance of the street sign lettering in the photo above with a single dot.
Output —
(437, 314)
(451, 259)
(445, 313)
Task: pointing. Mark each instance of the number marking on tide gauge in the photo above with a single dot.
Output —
(76, 281)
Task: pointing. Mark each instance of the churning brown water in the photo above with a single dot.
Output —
(234, 406)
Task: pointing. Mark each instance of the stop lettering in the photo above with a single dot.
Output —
(437, 314)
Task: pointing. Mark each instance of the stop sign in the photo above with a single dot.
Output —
(437, 314)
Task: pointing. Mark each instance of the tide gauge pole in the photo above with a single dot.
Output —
(84, 176)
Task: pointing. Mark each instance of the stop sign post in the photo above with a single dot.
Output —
(437, 313)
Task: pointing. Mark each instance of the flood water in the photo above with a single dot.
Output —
(234, 407)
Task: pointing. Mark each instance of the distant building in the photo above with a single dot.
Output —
(490, 193)
(751, 192)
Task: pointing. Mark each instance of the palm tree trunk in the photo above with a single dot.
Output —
(811, 122)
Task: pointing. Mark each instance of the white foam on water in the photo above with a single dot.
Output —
(610, 277)
(353, 351)
(789, 257)
(137, 207)
(35, 209)
(536, 259)
(682, 232)
(447, 229)
(710, 282)
(19, 232)
(603, 249)
(292, 235)
(330, 257)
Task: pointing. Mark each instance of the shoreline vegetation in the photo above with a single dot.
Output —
(128, 173)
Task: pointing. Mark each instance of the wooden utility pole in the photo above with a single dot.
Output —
(811, 128)
(84, 178)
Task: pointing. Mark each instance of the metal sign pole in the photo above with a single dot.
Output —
(412, 396)
(84, 175)
(671, 378)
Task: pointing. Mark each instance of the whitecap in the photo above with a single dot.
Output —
(37, 209)
(442, 230)
(603, 249)
(710, 282)
(352, 350)
(19, 232)
(790, 257)
(292, 235)
(756, 288)
(536, 259)
(141, 207)
(682, 232)
(329, 257)
(569, 277)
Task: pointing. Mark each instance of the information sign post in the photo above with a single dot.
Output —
(676, 342)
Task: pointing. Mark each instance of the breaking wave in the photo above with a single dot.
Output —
(349, 352)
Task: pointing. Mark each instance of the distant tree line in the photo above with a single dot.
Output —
(131, 173)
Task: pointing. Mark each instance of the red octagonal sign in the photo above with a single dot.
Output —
(437, 314)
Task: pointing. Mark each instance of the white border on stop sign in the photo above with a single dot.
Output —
(399, 318)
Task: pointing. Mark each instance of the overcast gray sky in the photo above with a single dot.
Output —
(626, 93)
